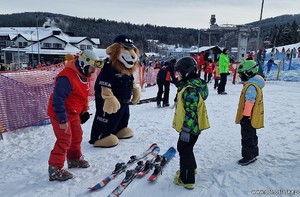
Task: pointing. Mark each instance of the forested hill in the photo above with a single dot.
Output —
(106, 30)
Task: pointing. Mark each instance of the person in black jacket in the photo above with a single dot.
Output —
(164, 77)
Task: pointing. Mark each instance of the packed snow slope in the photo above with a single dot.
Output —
(24, 153)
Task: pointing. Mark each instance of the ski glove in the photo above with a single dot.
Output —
(84, 117)
(185, 135)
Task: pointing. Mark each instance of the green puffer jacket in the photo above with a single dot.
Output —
(190, 98)
(224, 63)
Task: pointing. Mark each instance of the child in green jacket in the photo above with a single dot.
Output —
(190, 118)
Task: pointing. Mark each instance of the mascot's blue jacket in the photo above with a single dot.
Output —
(120, 84)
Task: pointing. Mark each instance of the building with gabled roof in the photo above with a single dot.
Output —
(23, 46)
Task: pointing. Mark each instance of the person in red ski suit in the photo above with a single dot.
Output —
(67, 109)
(208, 70)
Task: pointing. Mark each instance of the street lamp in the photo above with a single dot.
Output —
(18, 47)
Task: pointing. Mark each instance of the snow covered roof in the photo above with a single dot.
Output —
(96, 40)
(34, 34)
(151, 54)
(33, 49)
(203, 48)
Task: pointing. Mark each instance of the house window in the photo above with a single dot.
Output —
(90, 47)
(25, 44)
(47, 45)
(82, 47)
(57, 46)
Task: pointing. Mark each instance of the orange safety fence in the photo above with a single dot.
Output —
(24, 94)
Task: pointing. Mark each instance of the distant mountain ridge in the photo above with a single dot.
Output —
(106, 30)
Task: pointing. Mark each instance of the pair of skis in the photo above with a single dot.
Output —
(145, 162)
(132, 174)
(122, 167)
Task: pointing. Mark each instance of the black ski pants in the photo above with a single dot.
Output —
(249, 139)
(163, 88)
(187, 160)
(222, 84)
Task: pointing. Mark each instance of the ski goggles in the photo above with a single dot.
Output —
(95, 63)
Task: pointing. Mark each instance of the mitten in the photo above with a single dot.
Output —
(136, 94)
(111, 103)
(84, 117)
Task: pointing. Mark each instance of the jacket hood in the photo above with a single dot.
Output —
(258, 80)
(72, 64)
(197, 83)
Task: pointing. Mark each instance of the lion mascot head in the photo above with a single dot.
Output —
(123, 54)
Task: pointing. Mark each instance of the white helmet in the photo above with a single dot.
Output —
(88, 58)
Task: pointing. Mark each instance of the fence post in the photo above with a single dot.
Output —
(234, 67)
(278, 73)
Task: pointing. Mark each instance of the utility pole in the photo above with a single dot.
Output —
(38, 40)
(260, 59)
(19, 65)
(31, 32)
(259, 26)
(198, 40)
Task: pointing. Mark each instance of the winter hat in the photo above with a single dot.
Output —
(69, 57)
(125, 41)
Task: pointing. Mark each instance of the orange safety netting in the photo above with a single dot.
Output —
(24, 94)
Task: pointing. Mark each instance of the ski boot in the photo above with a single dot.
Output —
(244, 161)
(59, 174)
(78, 163)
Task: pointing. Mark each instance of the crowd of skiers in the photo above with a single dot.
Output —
(212, 71)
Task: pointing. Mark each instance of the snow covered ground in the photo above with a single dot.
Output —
(24, 153)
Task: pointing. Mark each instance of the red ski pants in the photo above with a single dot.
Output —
(67, 144)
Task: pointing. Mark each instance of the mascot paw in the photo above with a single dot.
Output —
(107, 142)
(124, 133)
(136, 95)
(111, 105)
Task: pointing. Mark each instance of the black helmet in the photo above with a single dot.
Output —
(186, 66)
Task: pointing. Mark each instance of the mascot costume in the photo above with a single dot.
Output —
(115, 88)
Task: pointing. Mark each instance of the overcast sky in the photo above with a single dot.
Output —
(171, 13)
